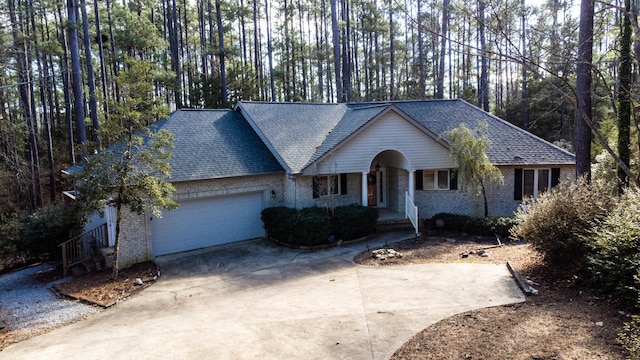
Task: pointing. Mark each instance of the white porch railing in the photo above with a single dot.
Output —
(411, 211)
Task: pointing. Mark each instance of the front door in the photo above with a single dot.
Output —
(377, 188)
(371, 189)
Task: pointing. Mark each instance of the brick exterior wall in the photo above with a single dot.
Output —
(499, 197)
(300, 191)
(297, 192)
(135, 235)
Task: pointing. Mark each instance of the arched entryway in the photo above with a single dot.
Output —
(388, 179)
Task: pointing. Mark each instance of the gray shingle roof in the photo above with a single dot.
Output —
(299, 133)
(213, 144)
(510, 145)
(292, 131)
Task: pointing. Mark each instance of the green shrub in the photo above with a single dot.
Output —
(10, 234)
(501, 225)
(42, 231)
(276, 221)
(354, 221)
(446, 221)
(312, 227)
(35, 237)
(317, 226)
(476, 226)
(614, 259)
(558, 221)
(629, 337)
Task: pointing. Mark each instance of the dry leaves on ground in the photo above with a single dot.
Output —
(98, 288)
(564, 322)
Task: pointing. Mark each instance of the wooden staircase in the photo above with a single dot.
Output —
(84, 250)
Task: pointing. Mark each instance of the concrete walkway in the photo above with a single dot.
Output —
(255, 300)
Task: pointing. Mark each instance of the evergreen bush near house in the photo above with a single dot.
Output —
(277, 220)
(35, 237)
(475, 226)
(310, 227)
(614, 259)
(354, 221)
(42, 231)
(559, 221)
(317, 226)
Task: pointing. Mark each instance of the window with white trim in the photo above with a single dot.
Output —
(445, 179)
(329, 185)
(435, 180)
(535, 182)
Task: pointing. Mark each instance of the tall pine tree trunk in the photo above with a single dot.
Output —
(101, 58)
(272, 85)
(26, 102)
(93, 104)
(421, 69)
(223, 71)
(624, 95)
(583, 134)
(76, 76)
(46, 110)
(392, 60)
(483, 89)
(525, 95)
(64, 67)
(336, 51)
(443, 46)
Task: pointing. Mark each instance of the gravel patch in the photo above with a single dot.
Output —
(28, 305)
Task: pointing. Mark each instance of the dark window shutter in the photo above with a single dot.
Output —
(453, 179)
(418, 179)
(555, 176)
(343, 184)
(316, 188)
(517, 189)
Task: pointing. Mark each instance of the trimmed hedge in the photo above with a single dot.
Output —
(318, 226)
(476, 226)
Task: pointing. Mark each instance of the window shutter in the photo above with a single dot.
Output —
(555, 177)
(517, 189)
(343, 184)
(419, 180)
(316, 188)
(453, 179)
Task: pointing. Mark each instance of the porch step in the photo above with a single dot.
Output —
(95, 263)
(394, 225)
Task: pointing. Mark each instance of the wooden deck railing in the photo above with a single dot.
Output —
(83, 247)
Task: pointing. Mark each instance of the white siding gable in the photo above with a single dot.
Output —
(389, 132)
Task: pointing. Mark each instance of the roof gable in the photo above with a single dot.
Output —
(359, 118)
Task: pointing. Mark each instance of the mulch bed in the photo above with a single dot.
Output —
(98, 288)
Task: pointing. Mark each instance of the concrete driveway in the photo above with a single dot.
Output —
(255, 300)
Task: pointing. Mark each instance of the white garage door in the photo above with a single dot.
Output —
(206, 222)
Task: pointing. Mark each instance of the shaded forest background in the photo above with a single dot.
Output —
(71, 68)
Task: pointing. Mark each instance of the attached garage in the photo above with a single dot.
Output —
(207, 222)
